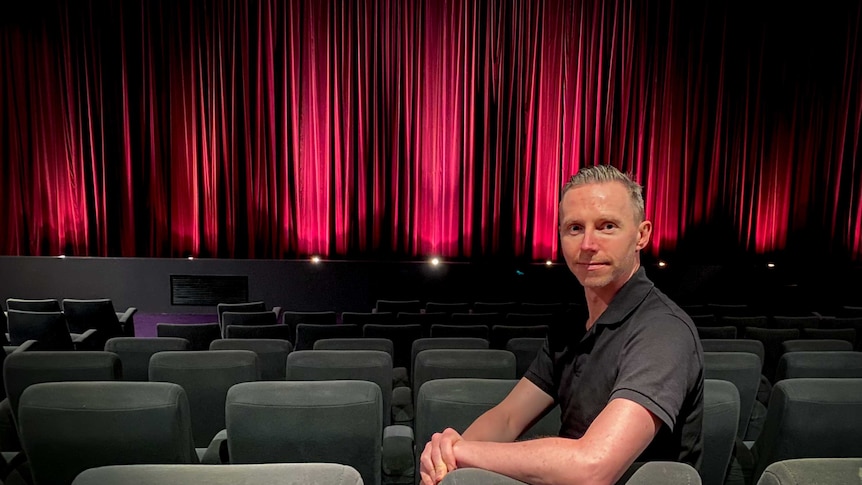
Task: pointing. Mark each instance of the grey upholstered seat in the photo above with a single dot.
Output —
(267, 473)
(664, 473)
(356, 343)
(206, 378)
(396, 306)
(447, 307)
(772, 339)
(249, 318)
(22, 369)
(293, 318)
(368, 365)
(68, 427)
(440, 330)
(714, 332)
(271, 353)
(735, 345)
(199, 335)
(251, 306)
(447, 363)
(307, 421)
(793, 365)
(49, 330)
(525, 350)
(33, 305)
(807, 471)
(309, 333)
(135, 353)
(808, 418)
(278, 331)
(362, 318)
(100, 314)
(720, 424)
(501, 334)
(815, 345)
(456, 402)
(743, 370)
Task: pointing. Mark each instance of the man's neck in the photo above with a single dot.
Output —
(598, 299)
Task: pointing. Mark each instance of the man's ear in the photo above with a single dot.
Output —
(644, 233)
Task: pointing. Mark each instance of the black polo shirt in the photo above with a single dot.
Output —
(643, 348)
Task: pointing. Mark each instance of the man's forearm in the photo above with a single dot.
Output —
(542, 461)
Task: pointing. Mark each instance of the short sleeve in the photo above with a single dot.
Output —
(658, 366)
(541, 371)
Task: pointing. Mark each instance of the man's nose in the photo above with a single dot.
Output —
(588, 243)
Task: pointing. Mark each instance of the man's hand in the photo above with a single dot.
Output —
(438, 458)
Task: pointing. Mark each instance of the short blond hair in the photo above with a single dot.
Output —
(598, 174)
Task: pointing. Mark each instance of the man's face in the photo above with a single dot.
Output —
(599, 236)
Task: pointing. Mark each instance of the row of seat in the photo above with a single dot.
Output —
(341, 421)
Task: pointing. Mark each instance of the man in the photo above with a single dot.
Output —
(629, 381)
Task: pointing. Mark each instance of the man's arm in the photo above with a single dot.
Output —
(503, 423)
(613, 441)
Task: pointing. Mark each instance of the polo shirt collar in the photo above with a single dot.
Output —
(627, 299)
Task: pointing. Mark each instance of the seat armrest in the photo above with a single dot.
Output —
(86, 340)
(24, 347)
(402, 405)
(397, 460)
(216, 453)
(127, 321)
(277, 311)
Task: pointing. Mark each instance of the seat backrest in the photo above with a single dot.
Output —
(332, 365)
(424, 319)
(456, 402)
(815, 345)
(447, 363)
(436, 306)
(23, 369)
(542, 308)
(199, 335)
(396, 306)
(68, 427)
(223, 474)
(309, 333)
(307, 421)
(30, 305)
(486, 319)
(734, 345)
(206, 378)
(356, 343)
(99, 314)
(501, 334)
(665, 473)
(293, 318)
(743, 370)
(772, 339)
(726, 332)
(525, 350)
(501, 307)
(135, 353)
(249, 318)
(271, 354)
(810, 418)
(49, 329)
(428, 343)
(362, 318)
(799, 471)
(252, 306)
(457, 331)
(720, 424)
(791, 321)
(846, 334)
(836, 364)
(279, 331)
(402, 338)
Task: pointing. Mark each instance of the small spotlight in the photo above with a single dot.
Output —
(191, 258)
(315, 259)
(770, 265)
(435, 261)
(662, 264)
(62, 256)
(549, 263)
